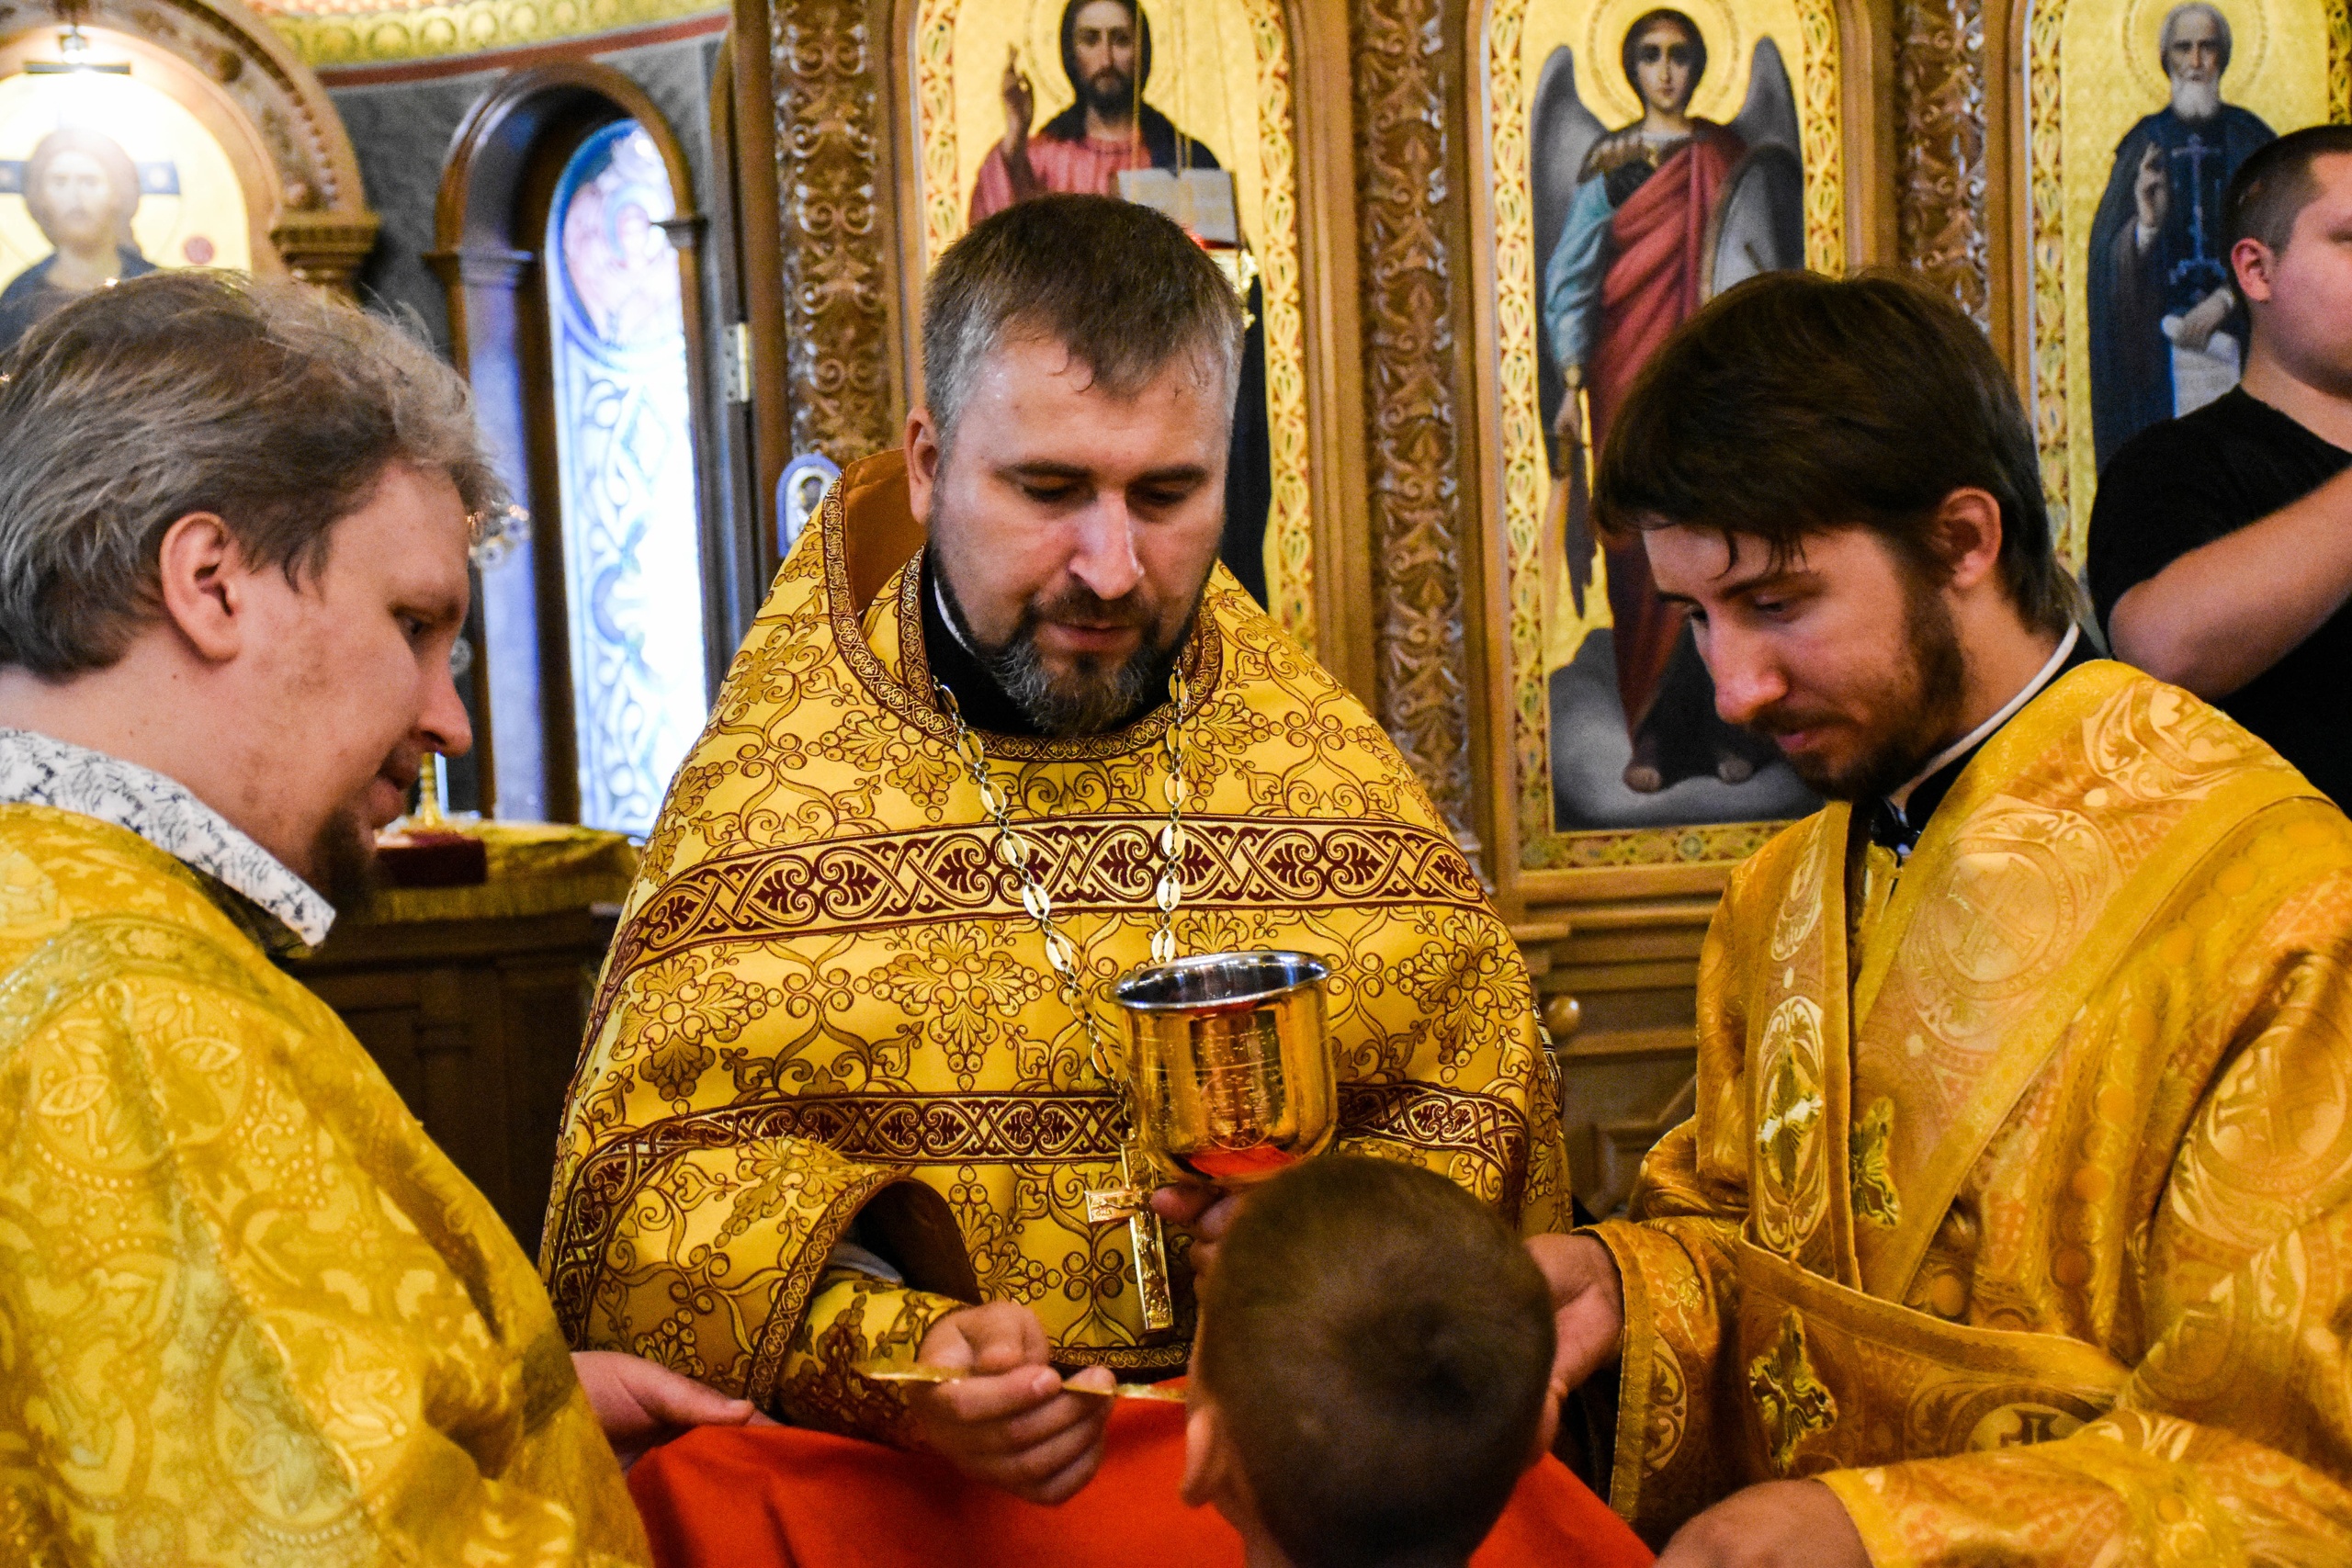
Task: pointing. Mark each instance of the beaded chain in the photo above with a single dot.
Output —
(1018, 852)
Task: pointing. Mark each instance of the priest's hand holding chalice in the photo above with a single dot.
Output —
(1231, 1078)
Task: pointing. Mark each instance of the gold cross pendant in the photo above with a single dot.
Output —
(1132, 1204)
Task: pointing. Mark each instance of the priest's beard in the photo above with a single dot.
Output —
(1907, 717)
(343, 861)
(2196, 100)
(1100, 696)
(1111, 93)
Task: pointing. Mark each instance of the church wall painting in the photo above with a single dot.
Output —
(1216, 93)
(1611, 220)
(103, 175)
(2136, 113)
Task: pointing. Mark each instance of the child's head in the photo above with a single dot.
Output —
(1372, 1371)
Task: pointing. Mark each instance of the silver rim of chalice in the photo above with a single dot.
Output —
(1219, 980)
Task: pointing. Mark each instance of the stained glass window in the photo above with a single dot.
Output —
(631, 545)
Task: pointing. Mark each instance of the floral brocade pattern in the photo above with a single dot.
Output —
(2055, 1220)
(249, 1315)
(824, 962)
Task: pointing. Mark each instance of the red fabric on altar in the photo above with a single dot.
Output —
(783, 1497)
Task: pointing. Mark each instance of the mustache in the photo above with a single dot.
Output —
(1081, 605)
(403, 765)
(1783, 718)
(1111, 89)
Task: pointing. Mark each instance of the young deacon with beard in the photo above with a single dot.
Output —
(249, 1315)
(2013, 1222)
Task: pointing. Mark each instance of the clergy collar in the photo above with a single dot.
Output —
(1899, 820)
(36, 769)
(955, 665)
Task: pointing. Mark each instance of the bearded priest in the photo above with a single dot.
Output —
(845, 1078)
(2013, 1224)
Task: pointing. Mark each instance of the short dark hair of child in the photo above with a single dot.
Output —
(1378, 1345)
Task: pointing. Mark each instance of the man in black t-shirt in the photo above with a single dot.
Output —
(2220, 544)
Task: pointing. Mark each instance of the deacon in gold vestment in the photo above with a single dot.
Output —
(249, 1315)
(828, 1018)
(2017, 1210)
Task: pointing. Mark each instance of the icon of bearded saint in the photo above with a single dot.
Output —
(1106, 53)
(2167, 331)
(81, 188)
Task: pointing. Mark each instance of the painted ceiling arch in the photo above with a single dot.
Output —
(328, 34)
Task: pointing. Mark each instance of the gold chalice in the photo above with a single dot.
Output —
(1230, 1066)
(1231, 1078)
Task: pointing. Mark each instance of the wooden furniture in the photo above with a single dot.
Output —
(1617, 988)
(478, 1023)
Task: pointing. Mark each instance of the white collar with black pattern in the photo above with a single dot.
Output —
(36, 769)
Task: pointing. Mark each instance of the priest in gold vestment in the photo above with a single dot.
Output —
(249, 1315)
(833, 1091)
(2015, 1222)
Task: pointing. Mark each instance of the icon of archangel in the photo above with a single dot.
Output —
(1635, 228)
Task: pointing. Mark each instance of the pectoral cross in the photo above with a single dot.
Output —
(1145, 1239)
(2197, 266)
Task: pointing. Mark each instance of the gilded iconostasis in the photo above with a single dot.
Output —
(680, 248)
(1462, 228)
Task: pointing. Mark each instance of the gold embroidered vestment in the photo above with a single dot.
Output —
(249, 1315)
(825, 998)
(2018, 1203)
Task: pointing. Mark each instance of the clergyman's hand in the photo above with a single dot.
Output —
(1206, 1212)
(2151, 194)
(641, 1405)
(1781, 1524)
(1011, 1425)
(1588, 1306)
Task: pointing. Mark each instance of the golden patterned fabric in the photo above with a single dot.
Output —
(249, 1315)
(2035, 1240)
(825, 984)
(535, 868)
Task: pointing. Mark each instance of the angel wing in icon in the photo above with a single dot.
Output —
(1759, 222)
(1560, 132)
